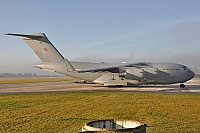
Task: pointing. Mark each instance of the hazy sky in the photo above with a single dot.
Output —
(102, 30)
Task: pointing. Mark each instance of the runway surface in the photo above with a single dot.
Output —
(192, 86)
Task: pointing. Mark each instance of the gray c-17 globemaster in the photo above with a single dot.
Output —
(123, 74)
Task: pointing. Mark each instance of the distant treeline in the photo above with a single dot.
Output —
(10, 75)
(6, 75)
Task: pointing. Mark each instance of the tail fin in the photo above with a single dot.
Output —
(44, 49)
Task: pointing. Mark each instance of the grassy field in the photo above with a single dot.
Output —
(33, 80)
(68, 111)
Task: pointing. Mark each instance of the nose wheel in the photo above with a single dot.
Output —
(182, 85)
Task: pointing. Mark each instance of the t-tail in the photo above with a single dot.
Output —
(51, 58)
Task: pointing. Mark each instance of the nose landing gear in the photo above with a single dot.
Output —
(182, 85)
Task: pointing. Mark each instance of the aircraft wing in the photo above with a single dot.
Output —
(112, 68)
(116, 68)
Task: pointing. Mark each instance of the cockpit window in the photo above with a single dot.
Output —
(184, 68)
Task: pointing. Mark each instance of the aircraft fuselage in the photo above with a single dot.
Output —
(145, 73)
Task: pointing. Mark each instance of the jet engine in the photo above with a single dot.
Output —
(151, 73)
(132, 73)
(138, 74)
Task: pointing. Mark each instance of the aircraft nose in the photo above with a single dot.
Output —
(189, 75)
(192, 74)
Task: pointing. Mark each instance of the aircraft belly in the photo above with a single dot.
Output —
(107, 77)
(85, 76)
(113, 79)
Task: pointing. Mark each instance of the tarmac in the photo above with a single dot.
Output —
(192, 87)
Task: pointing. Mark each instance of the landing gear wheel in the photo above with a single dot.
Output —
(182, 85)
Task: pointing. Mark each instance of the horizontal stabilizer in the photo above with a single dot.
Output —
(28, 36)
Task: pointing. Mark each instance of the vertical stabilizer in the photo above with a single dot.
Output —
(45, 50)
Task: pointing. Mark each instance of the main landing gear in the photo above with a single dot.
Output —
(182, 85)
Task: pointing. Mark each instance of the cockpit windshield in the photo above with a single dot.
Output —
(185, 68)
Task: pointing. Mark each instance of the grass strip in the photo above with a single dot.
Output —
(69, 111)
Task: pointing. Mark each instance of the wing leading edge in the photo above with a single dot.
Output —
(116, 68)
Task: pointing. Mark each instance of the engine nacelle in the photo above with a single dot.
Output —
(151, 73)
(133, 73)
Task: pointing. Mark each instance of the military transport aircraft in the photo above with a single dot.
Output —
(122, 74)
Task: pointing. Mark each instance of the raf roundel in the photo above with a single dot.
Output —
(45, 49)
